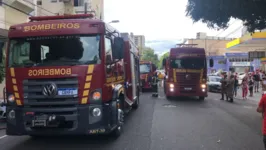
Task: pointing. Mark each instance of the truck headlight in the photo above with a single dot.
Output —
(203, 86)
(96, 112)
(11, 98)
(96, 95)
(171, 85)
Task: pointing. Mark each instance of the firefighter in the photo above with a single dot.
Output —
(155, 85)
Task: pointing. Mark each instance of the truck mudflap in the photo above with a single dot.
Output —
(87, 121)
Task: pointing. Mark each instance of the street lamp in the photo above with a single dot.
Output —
(114, 21)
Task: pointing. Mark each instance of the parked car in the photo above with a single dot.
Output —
(214, 84)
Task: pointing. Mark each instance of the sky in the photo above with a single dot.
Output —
(163, 23)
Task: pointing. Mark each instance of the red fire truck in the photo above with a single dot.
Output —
(69, 75)
(147, 69)
(186, 72)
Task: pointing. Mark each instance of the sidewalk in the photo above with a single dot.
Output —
(256, 96)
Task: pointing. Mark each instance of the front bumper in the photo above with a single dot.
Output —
(82, 123)
(179, 91)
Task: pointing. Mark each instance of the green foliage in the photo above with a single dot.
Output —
(161, 59)
(149, 55)
(217, 13)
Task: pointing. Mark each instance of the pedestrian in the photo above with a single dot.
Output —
(236, 85)
(250, 86)
(155, 85)
(223, 86)
(230, 88)
(263, 85)
(256, 81)
(244, 85)
(261, 109)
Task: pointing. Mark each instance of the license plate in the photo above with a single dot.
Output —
(188, 89)
(39, 121)
(68, 91)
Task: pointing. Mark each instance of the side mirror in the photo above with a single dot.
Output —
(211, 62)
(1, 51)
(118, 48)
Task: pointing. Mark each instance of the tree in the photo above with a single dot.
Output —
(161, 59)
(149, 55)
(217, 13)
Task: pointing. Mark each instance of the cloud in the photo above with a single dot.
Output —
(162, 46)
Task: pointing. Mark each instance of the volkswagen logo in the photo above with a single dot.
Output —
(49, 89)
(187, 76)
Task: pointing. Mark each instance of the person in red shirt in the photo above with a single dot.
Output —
(261, 109)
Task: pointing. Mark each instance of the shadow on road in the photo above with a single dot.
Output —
(72, 142)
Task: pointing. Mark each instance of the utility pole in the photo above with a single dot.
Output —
(85, 6)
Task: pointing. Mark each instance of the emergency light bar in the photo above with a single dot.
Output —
(78, 16)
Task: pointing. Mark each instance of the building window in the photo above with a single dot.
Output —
(53, 1)
(78, 3)
(39, 2)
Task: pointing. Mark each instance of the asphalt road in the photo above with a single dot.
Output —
(160, 124)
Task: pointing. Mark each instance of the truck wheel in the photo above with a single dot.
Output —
(201, 98)
(119, 129)
(136, 104)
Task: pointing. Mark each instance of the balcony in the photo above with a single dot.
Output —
(23, 5)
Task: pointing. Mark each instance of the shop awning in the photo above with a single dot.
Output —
(3, 34)
(249, 42)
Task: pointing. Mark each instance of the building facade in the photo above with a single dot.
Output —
(212, 45)
(140, 42)
(234, 62)
(61, 7)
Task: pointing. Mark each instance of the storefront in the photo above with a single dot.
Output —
(238, 62)
(219, 64)
(255, 42)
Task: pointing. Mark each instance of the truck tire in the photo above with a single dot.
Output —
(120, 114)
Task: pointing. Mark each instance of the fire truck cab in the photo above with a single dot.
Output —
(147, 69)
(186, 72)
(69, 75)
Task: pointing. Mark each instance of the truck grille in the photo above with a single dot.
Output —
(35, 101)
(192, 82)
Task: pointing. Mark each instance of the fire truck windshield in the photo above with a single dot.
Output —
(54, 50)
(188, 63)
(145, 68)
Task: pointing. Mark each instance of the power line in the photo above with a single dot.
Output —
(226, 36)
(226, 29)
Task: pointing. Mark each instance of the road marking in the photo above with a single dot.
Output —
(248, 107)
(1, 137)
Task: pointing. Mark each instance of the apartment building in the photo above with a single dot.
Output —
(139, 41)
(61, 7)
(212, 45)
